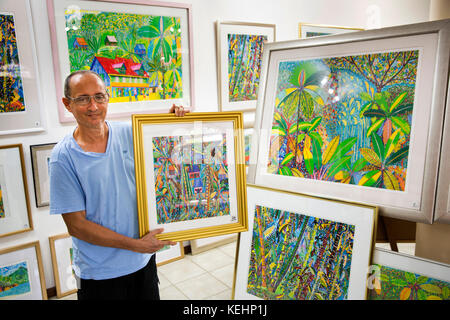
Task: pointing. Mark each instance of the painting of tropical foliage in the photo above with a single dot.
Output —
(244, 66)
(14, 280)
(299, 257)
(191, 178)
(394, 284)
(11, 88)
(345, 119)
(138, 56)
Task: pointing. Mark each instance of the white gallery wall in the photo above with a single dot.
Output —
(285, 14)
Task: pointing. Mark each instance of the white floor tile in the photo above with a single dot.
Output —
(201, 287)
(180, 270)
(225, 275)
(229, 249)
(212, 260)
(163, 281)
(224, 295)
(171, 293)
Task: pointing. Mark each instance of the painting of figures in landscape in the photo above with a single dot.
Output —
(14, 280)
(345, 119)
(394, 284)
(244, 66)
(298, 257)
(138, 56)
(191, 178)
(11, 89)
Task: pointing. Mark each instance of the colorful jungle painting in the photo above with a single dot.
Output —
(191, 178)
(394, 284)
(244, 66)
(345, 119)
(138, 56)
(14, 280)
(11, 88)
(298, 257)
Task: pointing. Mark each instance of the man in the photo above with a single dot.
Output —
(92, 184)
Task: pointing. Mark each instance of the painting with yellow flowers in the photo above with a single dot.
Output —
(355, 119)
(345, 119)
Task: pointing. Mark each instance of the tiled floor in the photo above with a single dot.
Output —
(209, 275)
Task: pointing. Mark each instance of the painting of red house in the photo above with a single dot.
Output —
(125, 79)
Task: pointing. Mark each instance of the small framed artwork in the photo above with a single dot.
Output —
(20, 98)
(307, 30)
(204, 244)
(141, 49)
(15, 214)
(62, 257)
(40, 157)
(239, 54)
(398, 276)
(355, 116)
(190, 174)
(300, 247)
(22, 273)
(169, 254)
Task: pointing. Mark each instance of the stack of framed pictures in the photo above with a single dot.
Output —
(346, 126)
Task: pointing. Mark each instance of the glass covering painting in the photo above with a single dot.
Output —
(345, 119)
(14, 280)
(394, 284)
(244, 66)
(11, 89)
(191, 177)
(299, 257)
(138, 56)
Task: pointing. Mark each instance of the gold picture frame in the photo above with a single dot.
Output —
(190, 174)
(322, 30)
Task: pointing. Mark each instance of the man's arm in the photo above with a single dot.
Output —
(83, 229)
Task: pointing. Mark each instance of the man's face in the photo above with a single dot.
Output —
(92, 114)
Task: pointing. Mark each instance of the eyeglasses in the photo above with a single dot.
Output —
(85, 100)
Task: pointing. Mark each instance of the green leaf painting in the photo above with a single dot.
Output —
(191, 178)
(298, 257)
(394, 284)
(345, 119)
(138, 56)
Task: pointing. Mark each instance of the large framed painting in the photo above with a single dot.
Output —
(141, 49)
(20, 96)
(40, 158)
(22, 273)
(301, 247)
(442, 209)
(398, 276)
(190, 174)
(15, 214)
(308, 30)
(239, 54)
(62, 256)
(169, 254)
(355, 116)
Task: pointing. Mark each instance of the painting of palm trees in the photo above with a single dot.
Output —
(345, 119)
(138, 56)
(191, 178)
(11, 88)
(299, 257)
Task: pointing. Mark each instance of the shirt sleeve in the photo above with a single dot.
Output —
(66, 192)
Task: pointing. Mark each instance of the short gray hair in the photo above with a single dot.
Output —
(69, 77)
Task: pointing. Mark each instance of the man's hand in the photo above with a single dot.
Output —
(150, 244)
(178, 110)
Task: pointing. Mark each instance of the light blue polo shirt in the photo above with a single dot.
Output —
(104, 185)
